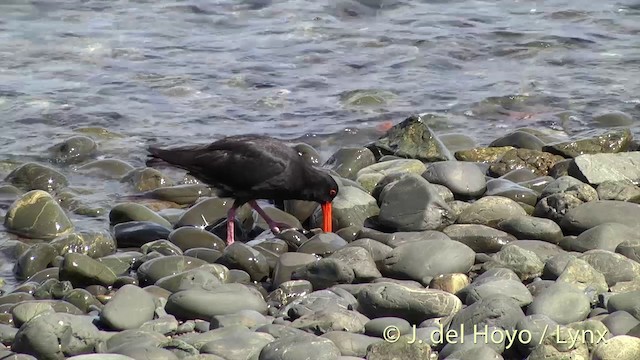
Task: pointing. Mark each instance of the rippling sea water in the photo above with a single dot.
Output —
(324, 72)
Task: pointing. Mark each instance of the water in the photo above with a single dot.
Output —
(190, 71)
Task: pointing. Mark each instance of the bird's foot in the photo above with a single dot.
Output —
(278, 227)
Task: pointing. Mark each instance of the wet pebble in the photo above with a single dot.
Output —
(126, 212)
(138, 233)
(34, 176)
(73, 150)
(37, 215)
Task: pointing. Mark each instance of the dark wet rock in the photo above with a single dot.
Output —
(411, 304)
(153, 270)
(189, 237)
(490, 210)
(621, 190)
(605, 236)
(464, 179)
(621, 347)
(36, 258)
(225, 299)
(33, 176)
(483, 154)
(615, 267)
(562, 302)
(413, 204)
(180, 194)
(145, 179)
(9, 194)
(532, 228)
(52, 289)
(243, 257)
(348, 161)
(370, 176)
(209, 211)
(598, 168)
(412, 138)
(129, 308)
(520, 140)
(451, 283)
(509, 189)
(299, 347)
(288, 263)
(537, 161)
(523, 262)
(611, 142)
(351, 207)
(82, 299)
(620, 322)
(592, 214)
(138, 233)
(351, 344)
(81, 270)
(37, 215)
(335, 319)
(106, 168)
(57, 336)
(423, 260)
(125, 212)
(41, 276)
(323, 244)
(582, 275)
(494, 311)
(402, 349)
(480, 238)
(73, 150)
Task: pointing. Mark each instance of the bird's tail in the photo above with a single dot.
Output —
(180, 156)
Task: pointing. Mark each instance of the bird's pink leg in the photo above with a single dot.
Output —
(231, 216)
(275, 226)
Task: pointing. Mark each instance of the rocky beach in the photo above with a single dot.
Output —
(523, 249)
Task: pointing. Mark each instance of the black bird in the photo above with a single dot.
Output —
(251, 167)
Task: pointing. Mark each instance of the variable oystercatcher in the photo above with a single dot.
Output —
(252, 167)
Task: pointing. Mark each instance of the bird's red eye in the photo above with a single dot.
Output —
(332, 192)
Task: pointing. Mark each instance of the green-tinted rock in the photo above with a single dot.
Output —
(81, 270)
(146, 179)
(37, 215)
(73, 150)
(129, 211)
(190, 237)
(487, 155)
(612, 119)
(106, 168)
(610, 142)
(537, 161)
(82, 299)
(347, 162)
(413, 138)
(181, 194)
(33, 176)
(35, 259)
(371, 175)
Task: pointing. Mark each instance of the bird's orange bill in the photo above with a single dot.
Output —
(327, 217)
